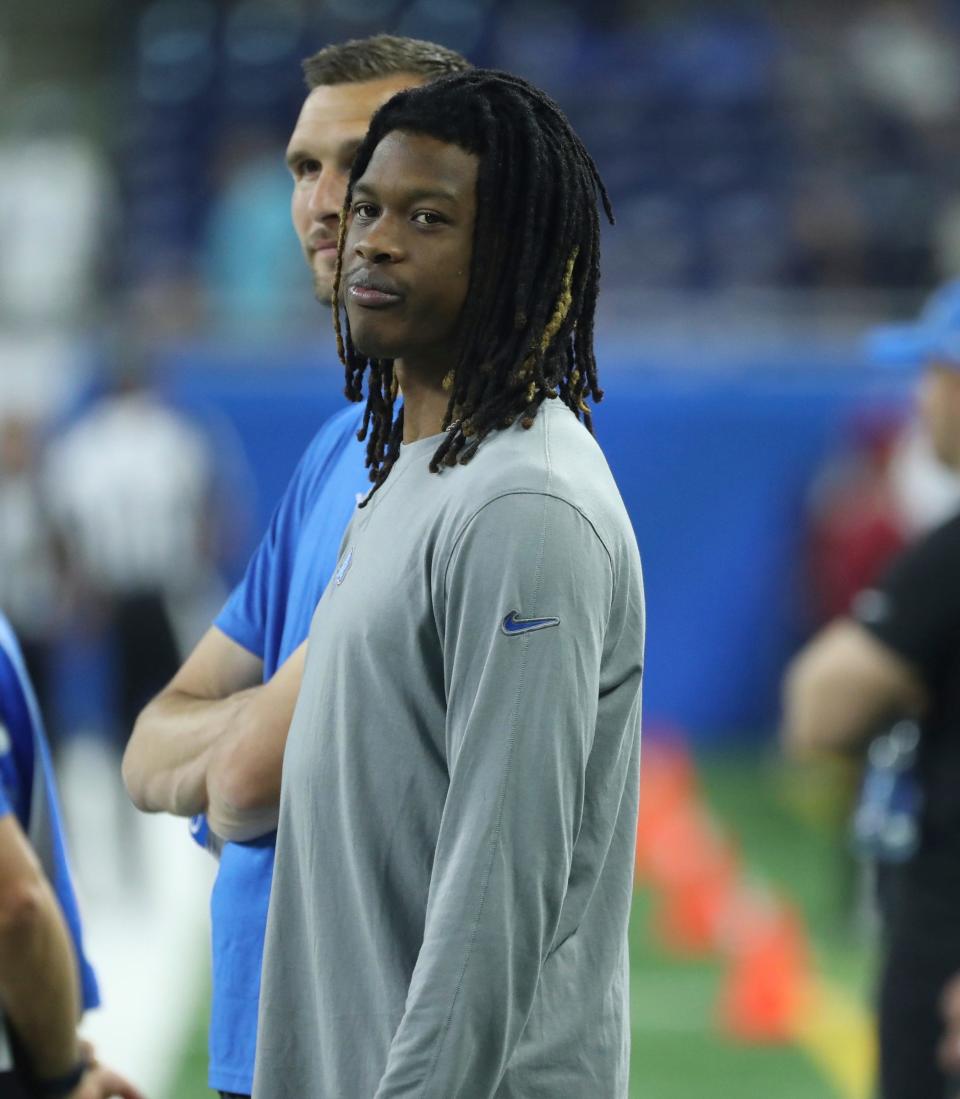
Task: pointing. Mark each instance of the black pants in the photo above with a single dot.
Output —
(147, 653)
(232, 1095)
(10, 1087)
(922, 953)
(914, 976)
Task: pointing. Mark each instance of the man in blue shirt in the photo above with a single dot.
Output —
(212, 742)
(44, 974)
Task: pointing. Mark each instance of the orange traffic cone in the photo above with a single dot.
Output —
(769, 981)
(693, 911)
(667, 781)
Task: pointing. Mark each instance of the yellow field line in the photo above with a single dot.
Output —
(837, 1033)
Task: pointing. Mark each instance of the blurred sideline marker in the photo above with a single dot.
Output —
(769, 984)
(667, 784)
(690, 918)
(691, 867)
(705, 906)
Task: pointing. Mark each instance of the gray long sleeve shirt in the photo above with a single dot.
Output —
(454, 859)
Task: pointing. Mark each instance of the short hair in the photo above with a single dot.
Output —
(526, 331)
(380, 56)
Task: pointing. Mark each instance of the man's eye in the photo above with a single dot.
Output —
(346, 161)
(364, 210)
(307, 168)
(427, 217)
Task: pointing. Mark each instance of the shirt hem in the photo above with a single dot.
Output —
(233, 629)
(219, 1081)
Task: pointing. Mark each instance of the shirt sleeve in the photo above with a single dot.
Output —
(245, 615)
(16, 730)
(262, 593)
(915, 610)
(254, 610)
(527, 598)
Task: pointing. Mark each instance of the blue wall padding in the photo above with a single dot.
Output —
(714, 469)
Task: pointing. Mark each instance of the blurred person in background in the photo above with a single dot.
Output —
(924, 490)
(39, 218)
(896, 655)
(128, 491)
(254, 279)
(128, 488)
(212, 742)
(46, 982)
(855, 524)
(854, 531)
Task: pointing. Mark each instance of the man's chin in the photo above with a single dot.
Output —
(372, 332)
(323, 266)
(323, 289)
(373, 349)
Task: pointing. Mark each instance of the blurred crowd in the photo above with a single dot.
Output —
(783, 146)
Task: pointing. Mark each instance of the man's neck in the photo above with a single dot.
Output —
(424, 401)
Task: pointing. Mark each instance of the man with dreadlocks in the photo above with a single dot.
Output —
(455, 849)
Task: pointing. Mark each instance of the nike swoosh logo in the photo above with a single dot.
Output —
(512, 625)
(341, 573)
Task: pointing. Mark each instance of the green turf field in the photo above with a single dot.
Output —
(778, 818)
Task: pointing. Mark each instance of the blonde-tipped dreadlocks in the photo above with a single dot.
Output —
(526, 332)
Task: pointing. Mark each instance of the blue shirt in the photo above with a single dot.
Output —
(28, 791)
(269, 614)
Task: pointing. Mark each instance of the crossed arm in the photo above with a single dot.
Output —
(212, 741)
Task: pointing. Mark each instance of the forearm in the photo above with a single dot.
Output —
(500, 874)
(166, 760)
(38, 979)
(243, 781)
(243, 775)
(240, 825)
(818, 720)
(485, 941)
(843, 688)
(824, 715)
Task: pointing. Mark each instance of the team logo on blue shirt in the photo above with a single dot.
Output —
(513, 625)
(344, 567)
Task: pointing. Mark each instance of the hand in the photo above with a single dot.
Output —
(100, 1082)
(949, 1049)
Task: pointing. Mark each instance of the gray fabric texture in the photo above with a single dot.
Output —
(457, 824)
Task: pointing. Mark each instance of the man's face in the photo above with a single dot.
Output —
(332, 123)
(406, 260)
(940, 409)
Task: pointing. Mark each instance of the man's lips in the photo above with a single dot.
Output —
(373, 291)
(322, 243)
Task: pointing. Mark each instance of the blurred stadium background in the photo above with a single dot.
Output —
(784, 175)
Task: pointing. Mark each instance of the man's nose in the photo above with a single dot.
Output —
(379, 243)
(327, 195)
